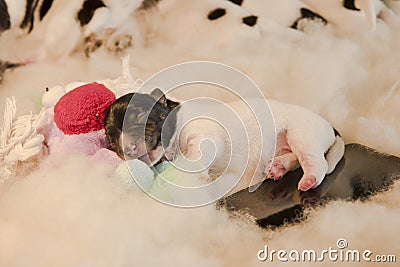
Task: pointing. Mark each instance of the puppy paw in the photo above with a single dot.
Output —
(307, 182)
(119, 43)
(91, 44)
(277, 170)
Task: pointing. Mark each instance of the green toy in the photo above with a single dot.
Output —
(159, 180)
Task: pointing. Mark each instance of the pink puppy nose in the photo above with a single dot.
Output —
(133, 148)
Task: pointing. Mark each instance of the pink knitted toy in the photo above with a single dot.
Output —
(78, 125)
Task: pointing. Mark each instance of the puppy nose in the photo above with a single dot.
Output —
(131, 151)
(133, 148)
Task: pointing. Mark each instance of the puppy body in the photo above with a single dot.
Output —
(228, 139)
(302, 139)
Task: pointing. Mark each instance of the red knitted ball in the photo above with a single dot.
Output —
(83, 109)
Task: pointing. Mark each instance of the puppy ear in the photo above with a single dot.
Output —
(159, 96)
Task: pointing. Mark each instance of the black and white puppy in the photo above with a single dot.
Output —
(94, 22)
(303, 138)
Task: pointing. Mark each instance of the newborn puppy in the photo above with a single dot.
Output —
(303, 138)
(142, 136)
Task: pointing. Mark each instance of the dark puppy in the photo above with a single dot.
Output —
(135, 122)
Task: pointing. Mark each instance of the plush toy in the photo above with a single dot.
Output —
(75, 123)
(134, 172)
(83, 109)
(70, 122)
(158, 180)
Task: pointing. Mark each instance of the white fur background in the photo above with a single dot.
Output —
(70, 213)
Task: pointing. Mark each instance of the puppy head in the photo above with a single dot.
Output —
(139, 126)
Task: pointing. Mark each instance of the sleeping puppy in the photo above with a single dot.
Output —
(142, 138)
(158, 128)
